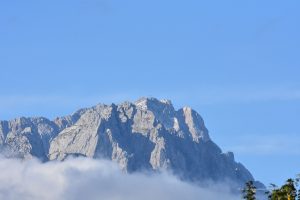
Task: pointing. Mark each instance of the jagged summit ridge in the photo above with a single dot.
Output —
(149, 134)
(185, 120)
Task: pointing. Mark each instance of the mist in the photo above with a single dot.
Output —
(84, 178)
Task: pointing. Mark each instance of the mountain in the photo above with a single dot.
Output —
(148, 134)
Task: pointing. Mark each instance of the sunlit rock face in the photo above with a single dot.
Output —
(148, 134)
(27, 137)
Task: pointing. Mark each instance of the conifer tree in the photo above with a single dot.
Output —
(286, 192)
(249, 191)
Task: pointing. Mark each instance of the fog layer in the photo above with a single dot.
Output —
(83, 178)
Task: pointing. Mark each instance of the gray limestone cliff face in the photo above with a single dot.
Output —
(27, 137)
(30, 137)
(148, 134)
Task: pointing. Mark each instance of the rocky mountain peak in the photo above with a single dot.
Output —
(148, 134)
(195, 124)
(153, 103)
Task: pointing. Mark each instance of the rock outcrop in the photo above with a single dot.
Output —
(146, 135)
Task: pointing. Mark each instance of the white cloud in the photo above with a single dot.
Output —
(84, 178)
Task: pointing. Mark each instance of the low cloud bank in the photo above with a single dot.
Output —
(83, 178)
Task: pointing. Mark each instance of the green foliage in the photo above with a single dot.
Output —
(249, 191)
(289, 191)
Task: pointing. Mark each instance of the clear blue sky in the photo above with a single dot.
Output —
(235, 62)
